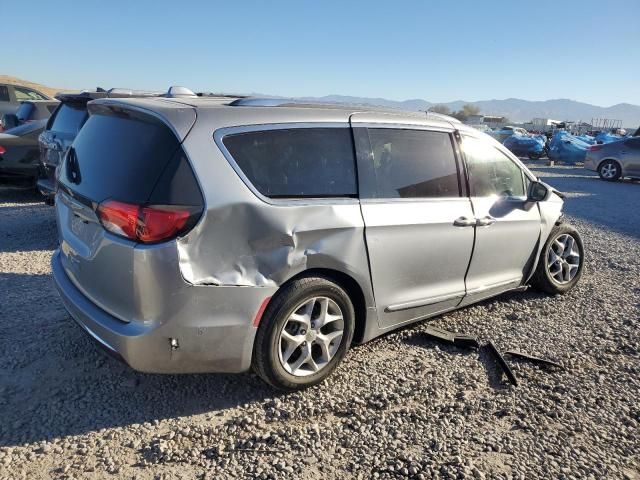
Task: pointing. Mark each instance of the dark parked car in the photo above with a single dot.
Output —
(19, 154)
(28, 111)
(62, 128)
(12, 95)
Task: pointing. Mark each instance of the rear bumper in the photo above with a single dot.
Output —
(208, 344)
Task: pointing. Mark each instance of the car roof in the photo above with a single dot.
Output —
(239, 110)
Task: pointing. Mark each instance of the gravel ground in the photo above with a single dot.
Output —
(401, 406)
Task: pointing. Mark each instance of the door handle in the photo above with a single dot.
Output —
(464, 222)
(485, 221)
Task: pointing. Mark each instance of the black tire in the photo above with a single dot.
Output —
(542, 279)
(266, 362)
(610, 164)
(535, 156)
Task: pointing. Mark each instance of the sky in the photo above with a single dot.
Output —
(441, 51)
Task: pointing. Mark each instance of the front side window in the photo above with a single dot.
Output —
(491, 172)
(412, 164)
(296, 162)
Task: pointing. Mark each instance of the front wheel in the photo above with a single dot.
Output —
(561, 261)
(304, 333)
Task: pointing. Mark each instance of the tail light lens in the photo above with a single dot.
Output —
(2, 150)
(146, 224)
(594, 148)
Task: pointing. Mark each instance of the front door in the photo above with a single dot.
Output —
(507, 226)
(418, 221)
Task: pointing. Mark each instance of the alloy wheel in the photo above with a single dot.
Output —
(563, 259)
(609, 170)
(311, 336)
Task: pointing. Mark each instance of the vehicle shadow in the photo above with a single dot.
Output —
(607, 204)
(56, 383)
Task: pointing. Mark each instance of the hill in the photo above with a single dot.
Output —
(36, 86)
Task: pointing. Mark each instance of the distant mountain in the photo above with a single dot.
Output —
(36, 86)
(515, 109)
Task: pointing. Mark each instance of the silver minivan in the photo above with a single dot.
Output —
(217, 234)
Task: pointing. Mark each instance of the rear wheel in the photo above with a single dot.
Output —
(304, 333)
(610, 170)
(561, 261)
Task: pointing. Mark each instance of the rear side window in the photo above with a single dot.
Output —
(122, 157)
(412, 164)
(4, 93)
(69, 118)
(296, 162)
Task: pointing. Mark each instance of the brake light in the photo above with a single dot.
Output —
(2, 150)
(594, 148)
(145, 224)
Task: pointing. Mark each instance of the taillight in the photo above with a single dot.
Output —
(147, 224)
(2, 150)
(594, 148)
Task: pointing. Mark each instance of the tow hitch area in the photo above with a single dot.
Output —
(469, 341)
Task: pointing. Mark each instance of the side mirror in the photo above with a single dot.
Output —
(10, 120)
(538, 192)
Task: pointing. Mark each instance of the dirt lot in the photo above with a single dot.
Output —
(400, 406)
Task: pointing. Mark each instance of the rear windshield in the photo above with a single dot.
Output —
(69, 118)
(297, 162)
(24, 111)
(119, 157)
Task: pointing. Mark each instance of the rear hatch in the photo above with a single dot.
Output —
(126, 190)
(61, 130)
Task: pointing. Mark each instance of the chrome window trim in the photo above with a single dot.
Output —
(403, 126)
(218, 137)
(377, 201)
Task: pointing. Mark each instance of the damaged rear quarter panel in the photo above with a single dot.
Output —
(244, 240)
(249, 244)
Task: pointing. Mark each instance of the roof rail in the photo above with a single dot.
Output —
(127, 92)
(177, 91)
(262, 102)
(220, 95)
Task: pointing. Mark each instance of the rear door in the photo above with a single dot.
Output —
(508, 228)
(418, 221)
